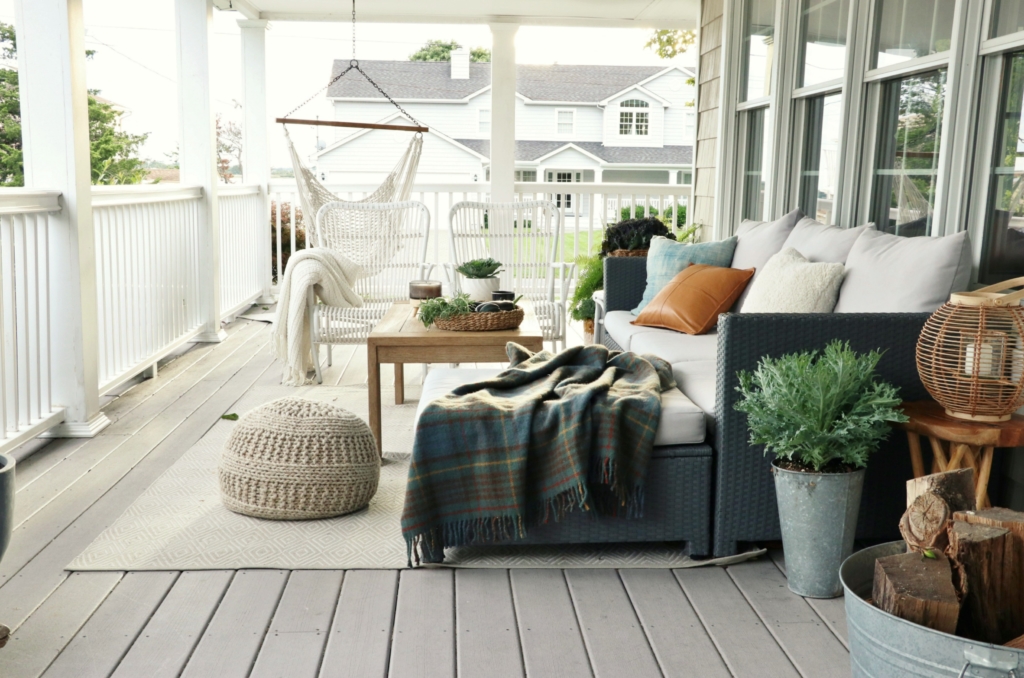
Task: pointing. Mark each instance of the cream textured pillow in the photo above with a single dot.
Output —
(789, 283)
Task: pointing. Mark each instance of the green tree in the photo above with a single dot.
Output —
(114, 152)
(669, 43)
(440, 50)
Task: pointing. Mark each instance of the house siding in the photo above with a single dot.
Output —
(708, 103)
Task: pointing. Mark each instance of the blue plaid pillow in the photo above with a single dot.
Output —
(667, 257)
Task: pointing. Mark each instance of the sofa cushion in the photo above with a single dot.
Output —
(692, 301)
(819, 242)
(698, 379)
(789, 283)
(682, 421)
(619, 326)
(759, 241)
(677, 347)
(667, 258)
(892, 274)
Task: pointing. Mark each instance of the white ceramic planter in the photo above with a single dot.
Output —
(480, 289)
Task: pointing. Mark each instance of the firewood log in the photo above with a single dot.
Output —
(995, 517)
(955, 487)
(1016, 643)
(917, 589)
(988, 572)
(924, 523)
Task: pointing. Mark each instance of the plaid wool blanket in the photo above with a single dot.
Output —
(551, 434)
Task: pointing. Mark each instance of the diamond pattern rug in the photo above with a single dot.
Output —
(179, 523)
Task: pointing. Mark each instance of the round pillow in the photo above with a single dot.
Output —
(296, 459)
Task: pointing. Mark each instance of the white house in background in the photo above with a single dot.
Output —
(573, 123)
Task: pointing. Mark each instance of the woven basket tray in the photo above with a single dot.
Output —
(482, 322)
(628, 253)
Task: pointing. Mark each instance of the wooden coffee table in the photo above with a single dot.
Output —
(401, 338)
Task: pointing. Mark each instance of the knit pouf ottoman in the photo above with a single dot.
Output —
(296, 459)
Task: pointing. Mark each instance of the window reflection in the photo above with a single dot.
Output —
(758, 44)
(1004, 234)
(908, 29)
(819, 176)
(756, 155)
(1007, 17)
(906, 168)
(824, 39)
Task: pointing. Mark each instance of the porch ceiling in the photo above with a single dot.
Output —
(621, 13)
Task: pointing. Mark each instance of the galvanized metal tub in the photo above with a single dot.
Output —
(885, 646)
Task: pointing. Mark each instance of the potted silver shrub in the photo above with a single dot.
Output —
(821, 416)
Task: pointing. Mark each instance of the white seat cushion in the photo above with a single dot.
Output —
(682, 422)
(698, 380)
(676, 346)
(617, 325)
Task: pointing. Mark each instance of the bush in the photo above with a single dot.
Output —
(286, 235)
(680, 219)
(818, 412)
(633, 234)
(626, 213)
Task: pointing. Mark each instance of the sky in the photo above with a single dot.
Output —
(135, 63)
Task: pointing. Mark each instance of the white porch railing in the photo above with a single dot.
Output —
(26, 405)
(586, 209)
(147, 275)
(243, 230)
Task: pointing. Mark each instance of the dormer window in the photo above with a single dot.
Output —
(634, 121)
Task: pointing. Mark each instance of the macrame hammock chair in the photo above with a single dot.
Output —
(347, 229)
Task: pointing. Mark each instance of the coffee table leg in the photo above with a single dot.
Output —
(938, 453)
(373, 382)
(914, 441)
(399, 383)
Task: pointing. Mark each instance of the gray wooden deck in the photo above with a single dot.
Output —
(735, 621)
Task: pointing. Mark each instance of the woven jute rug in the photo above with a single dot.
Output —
(179, 523)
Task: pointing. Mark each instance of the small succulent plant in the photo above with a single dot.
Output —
(633, 234)
(480, 268)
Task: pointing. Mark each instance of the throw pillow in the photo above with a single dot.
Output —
(760, 241)
(667, 257)
(819, 242)
(892, 274)
(692, 300)
(789, 283)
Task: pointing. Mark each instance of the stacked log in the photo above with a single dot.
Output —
(964, 569)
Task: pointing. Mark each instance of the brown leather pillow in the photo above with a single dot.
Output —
(693, 299)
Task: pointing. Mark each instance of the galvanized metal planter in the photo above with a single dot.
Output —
(818, 513)
(884, 645)
(6, 501)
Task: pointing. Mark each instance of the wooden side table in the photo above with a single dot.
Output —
(958, 443)
(401, 338)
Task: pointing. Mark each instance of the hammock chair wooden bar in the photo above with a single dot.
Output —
(358, 125)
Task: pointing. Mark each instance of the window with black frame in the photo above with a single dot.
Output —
(1003, 248)
(907, 156)
(819, 173)
(752, 206)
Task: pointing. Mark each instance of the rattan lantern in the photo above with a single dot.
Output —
(971, 353)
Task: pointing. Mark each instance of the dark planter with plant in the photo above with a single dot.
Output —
(821, 416)
(632, 237)
(480, 278)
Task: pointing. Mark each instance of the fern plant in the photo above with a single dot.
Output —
(480, 268)
(591, 279)
(443, 309)
(819, 410)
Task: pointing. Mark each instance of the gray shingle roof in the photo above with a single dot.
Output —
(531, 150)
(432, 80)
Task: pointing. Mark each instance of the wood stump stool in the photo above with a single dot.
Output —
(958, 443)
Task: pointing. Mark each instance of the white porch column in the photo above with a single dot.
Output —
(255, 155)
(503, 112)
(198, 154)
(55, 136)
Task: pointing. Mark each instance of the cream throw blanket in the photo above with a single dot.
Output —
(332, 278)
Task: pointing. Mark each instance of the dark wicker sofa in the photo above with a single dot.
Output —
(743, 493)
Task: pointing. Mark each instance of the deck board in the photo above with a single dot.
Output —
(233, 637)
(423, 644)
(171, 635)
(295, 643)
(831, 610)
(99, 646)
(488, 639)
(360, 642)
(548, 628)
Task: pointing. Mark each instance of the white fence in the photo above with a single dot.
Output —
(26, 406)
(582, 225)
(147, 275)
(243, 233)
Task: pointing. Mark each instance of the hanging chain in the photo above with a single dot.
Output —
(354, 64)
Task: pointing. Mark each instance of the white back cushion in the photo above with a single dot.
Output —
(790, 283)
(891, 274)
(819, 242)
(759, 241)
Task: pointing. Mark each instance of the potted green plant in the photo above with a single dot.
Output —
(591, 279)
(821, 415)
(480, 278)
(632, 237)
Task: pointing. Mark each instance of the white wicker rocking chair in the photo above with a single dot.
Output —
(389, 240)
(524, 237)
